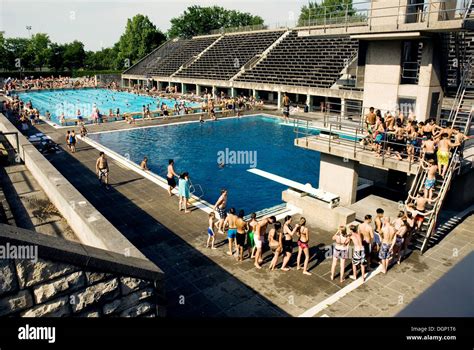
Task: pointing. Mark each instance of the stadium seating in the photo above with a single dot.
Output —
(227, 56)
(304, 61)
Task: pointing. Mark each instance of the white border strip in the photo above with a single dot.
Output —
(338, 295)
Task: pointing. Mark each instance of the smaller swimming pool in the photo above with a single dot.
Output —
(69, 101)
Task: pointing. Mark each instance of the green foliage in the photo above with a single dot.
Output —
(332, 10)
(74, 55)
(139, 39)
(197, 20)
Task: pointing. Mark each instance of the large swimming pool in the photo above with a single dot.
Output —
(68, 101)
(199, 148)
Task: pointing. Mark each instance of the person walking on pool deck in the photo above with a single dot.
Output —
(210, 231)
(251, 224)
(183, 192)
(170, 177)
(102, 169)
(340, 252)
(358, 255)
(260, 230)
(72, 141)
(303, 245)
(286, 107)
(241, 235)
(287, 242)
(367, 232)
(231, 221)
(220, 207)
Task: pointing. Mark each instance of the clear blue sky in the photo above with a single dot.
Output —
(99, 23)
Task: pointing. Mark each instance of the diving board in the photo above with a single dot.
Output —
(324, 196)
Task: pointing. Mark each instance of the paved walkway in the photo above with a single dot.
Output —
(202, 282)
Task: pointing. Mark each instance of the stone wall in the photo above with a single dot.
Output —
(67, 279)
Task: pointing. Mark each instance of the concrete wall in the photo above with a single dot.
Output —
(319, 213)
(339, 176)
(67, 279)
(87, 223)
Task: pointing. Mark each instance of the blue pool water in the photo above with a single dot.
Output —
(69, 101)
(195, 147)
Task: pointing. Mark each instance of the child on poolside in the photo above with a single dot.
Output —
(210, 231)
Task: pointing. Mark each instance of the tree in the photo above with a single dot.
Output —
(56, 57)
(39, 49)
(197, 20)
(17, 54)
(3, 52)
(139, 39)
(101, 60)
(331, 10)
(74, 55)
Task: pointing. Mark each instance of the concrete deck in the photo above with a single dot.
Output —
(204, 282)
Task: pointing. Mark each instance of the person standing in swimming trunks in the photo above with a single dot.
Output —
(260, 230)
(430, 181)
(287, 243)
(444, 151)
(68, 139)
(367, 232)
(286, 107)
(428, 147)
(378, 229)
(220, 207)
(241, 235)
(388, 233)
(303, 245)
(250, 241)
(276, 244)
(210, 231)
(231, 222)
(171, 176)
(102, 169)
(340, 252)
(399, 239)
(72, 141)
(358, 255)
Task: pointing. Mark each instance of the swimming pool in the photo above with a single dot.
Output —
(68, 101)
(199, 148)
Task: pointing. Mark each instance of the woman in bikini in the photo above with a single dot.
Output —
(287, 242)
(275, 243)
(341, 251)
(303, 245)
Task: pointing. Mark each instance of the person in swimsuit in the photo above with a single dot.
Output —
(367, 232)
(340, 252)
(428, 146)
(303, 245)
(170, 176)
(144, 164)
(72, 141)
(358, 255)
(444, 151)
(68, 139)
(231, 222)
(399, 239)
(430, 181)
(220, 207)
(241, 234)
(210, 231)
(275, 243)
(184, 192)
(102, 169)
(378, 229)
(250, 241)
(286, 107)
(260, 230)
(287, 242)
(388, 233)
(420, 208)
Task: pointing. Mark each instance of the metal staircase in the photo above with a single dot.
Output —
(461, 117)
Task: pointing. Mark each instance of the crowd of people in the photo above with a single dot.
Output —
(406, 138)
(30, 83)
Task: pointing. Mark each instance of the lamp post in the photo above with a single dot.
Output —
(28, 28)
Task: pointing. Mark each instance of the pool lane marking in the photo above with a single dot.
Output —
(341, 293)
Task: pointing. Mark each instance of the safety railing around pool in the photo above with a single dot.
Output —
(355, 140)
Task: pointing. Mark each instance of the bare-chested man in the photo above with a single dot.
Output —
(370, 118)
(430, 181)
(102, 169)
(378, 229)
(231, 222)
(420, 208)
(358, 255)
(428, 147)
(399, 238)
(220, 207)
(444, 148)
(367, 232)
(242, 228)
(171, 176)
(258, 236)
(388, 233)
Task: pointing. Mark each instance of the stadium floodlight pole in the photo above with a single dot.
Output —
(28, 28)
